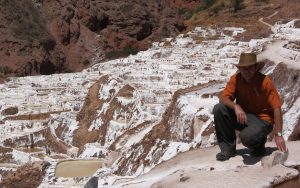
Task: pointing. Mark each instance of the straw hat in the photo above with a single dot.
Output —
(248, 59)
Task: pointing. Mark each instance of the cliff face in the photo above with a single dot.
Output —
(46, 37)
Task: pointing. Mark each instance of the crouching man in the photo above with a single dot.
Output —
(250, 104)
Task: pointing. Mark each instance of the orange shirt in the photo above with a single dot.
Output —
(258, 97)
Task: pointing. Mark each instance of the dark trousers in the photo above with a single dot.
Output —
(252, 135)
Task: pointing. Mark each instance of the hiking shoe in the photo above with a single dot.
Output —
(224, 155)
(259, 151)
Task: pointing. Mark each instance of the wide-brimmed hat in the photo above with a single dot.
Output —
(248, 59)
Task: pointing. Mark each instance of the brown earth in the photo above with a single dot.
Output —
(87, 114)
(89, 111)
(27, 176)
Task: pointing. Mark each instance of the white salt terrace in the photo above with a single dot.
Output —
(156, 74)
(41, 94)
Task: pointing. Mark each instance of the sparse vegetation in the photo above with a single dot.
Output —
(86, 62)
(266, 1)
(187, 14)
(26, 22)
(205, 5)
(125, 8)
(165, 31)
(154, 22)
(127, 50)
(5, 70)
(214, 6)
(236, 4)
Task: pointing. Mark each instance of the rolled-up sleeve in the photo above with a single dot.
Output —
(273, 96)
(230, 89)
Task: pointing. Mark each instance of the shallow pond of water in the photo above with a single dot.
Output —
(77, 168)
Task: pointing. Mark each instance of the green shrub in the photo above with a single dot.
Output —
(187, 14)
(205, 5)
(5, 70)
(217, 7)
(236, 4)
(86, 62)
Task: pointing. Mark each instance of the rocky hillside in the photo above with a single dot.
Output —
(139, 111)
(46, 37)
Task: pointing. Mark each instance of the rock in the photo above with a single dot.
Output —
(68, 13)
(47, 67)
(275, 158)
(73, 151)
(92, 183)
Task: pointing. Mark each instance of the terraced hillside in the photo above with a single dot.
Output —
(140, 111)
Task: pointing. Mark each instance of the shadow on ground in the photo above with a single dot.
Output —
(250, 160)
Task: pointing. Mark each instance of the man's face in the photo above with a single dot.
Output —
(248, 72)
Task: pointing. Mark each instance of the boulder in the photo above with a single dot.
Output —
(275, 158)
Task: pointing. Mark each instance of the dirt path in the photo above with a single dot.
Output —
(267, 24)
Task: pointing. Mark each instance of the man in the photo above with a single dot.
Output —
(250, 104)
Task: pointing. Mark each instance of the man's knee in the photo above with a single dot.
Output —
(219, 108)
(251, 140)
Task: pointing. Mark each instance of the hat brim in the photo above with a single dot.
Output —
(245, 64)
(259, 64)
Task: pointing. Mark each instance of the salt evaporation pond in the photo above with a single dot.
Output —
(77, 168)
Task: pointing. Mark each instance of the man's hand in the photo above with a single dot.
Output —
(280, 143)
(240, 114)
